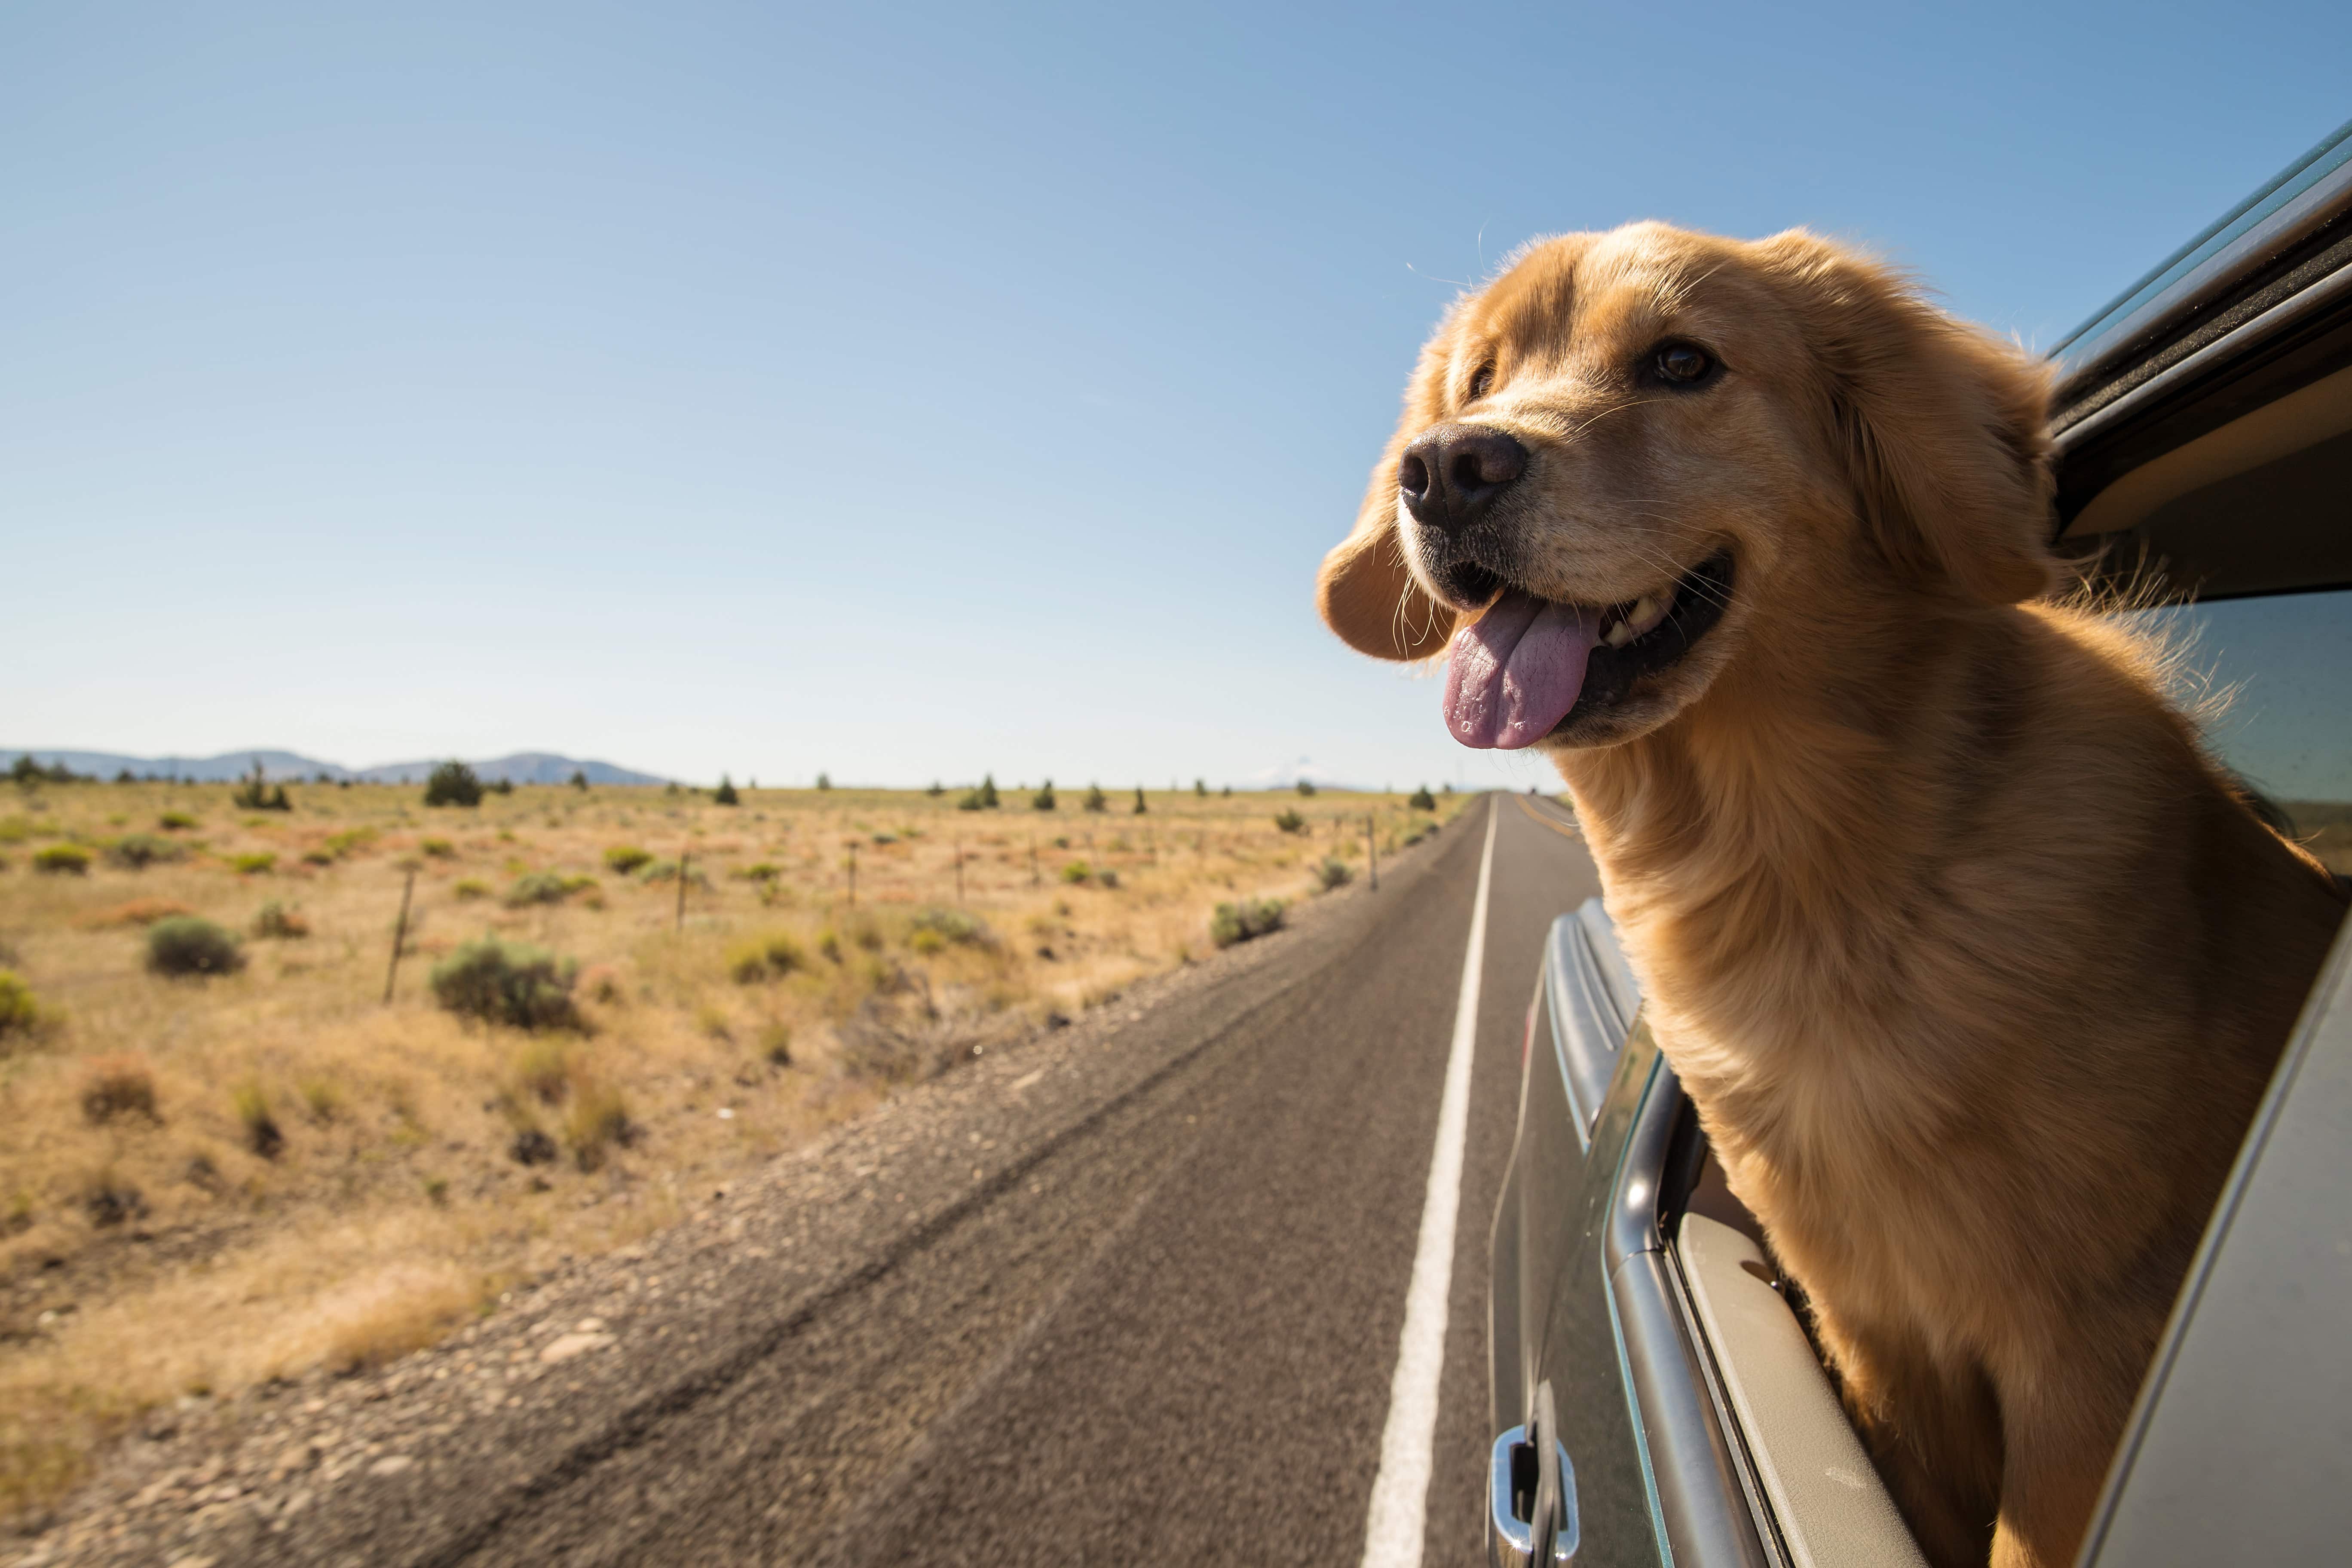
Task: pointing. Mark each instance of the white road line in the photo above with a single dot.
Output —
(1396, 1522)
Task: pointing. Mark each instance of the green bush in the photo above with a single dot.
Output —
(580, 780)
(1290, 822)
(340, 844)
(1140, 808)
(1044, 798)
(1078, 871)
(981, 799)
(190, 945)
(768, 957)
(762, 871)
(20, 1012)
(725, 793)
(256, 864)
(624, 858)
(1201, 788)
(62, 860)
(537, 888)
(139, 850)
(824, 780)
(1245, 921)
(439, 848)
(1422, 800)
(500, 786)
(953, 926)
(175, 821)
(1333, 873)
(470, 888)
(453, 783)
(1096, 799)
(507, 983)
(1306, 786)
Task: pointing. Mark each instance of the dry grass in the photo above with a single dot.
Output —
(289, 1174)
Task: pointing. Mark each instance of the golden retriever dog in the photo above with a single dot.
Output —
(1974, 963)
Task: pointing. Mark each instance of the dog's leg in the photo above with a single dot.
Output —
(1934, 1434)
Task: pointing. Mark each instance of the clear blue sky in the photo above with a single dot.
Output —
(910, 391)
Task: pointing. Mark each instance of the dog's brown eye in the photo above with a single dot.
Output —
(1683, 362)
(1481, 382)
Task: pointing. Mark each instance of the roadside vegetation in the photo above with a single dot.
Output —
(230, 1159)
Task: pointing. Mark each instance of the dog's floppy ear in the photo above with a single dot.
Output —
(1364, 591)
(1941, 426)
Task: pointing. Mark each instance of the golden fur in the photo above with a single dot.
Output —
(1973, 962)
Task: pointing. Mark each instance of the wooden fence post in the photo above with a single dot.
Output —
(1372, 851)
(399, 935)
(959, 870)
(852, 873)
(684, 858)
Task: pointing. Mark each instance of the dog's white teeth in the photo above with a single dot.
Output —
(1620, 634)
(1645, 610)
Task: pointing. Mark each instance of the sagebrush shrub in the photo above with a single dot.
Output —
(279, 921)
(1422, 800)
(1245, 920)
(469, 889)
(117, 1086)
(1306, 786)
(623, 859)
(190, 945)
(537, 888)
(1078, 871)
(954, 926)
(139, 850)
(62, 860)
(254, 865)
(20, 1011)
(1096, 799)
(1290, 822)
(768, 957)
(599, 1119)
(175, 821)
(262, 1135)
(507, 983)
(439, 848)
(453, 783)
(1333, 873)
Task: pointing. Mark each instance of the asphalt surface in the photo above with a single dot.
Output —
(1139, 1301)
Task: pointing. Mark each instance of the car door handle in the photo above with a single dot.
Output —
(1531, 1494)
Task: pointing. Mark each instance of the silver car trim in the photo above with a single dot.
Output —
(2277, 217)
(2284, 314)
(1590, 1018)
(1701, 1490)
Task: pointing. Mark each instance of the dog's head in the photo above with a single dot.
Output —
(1637, 457)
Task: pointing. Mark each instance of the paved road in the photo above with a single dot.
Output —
(1158, 1322)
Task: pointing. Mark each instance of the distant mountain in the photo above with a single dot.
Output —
(521, 767)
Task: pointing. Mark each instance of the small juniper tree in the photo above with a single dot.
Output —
(453, 783)
(1201, 788)
(1044, 798)
(1140, 808)
(824, 780)
(1096, 799)
(255, 793)
(1422, 800)
(580, 778)
(1306, 786)
(725, 793)
(937, 789)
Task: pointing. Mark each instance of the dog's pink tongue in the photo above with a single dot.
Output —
(1515, 672)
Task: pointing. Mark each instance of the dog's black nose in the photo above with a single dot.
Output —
(1452, 473)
